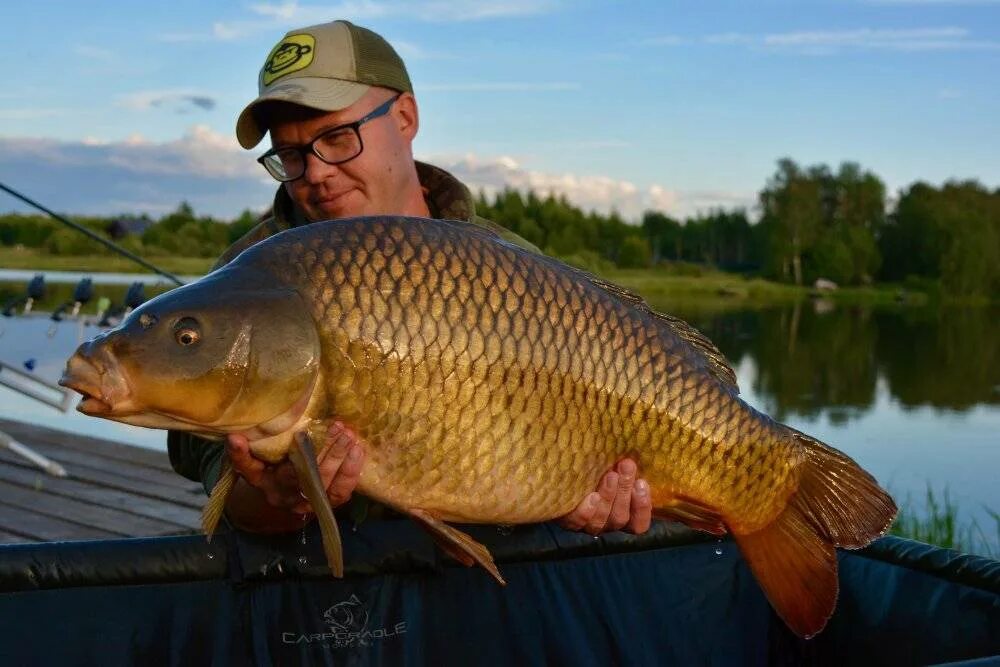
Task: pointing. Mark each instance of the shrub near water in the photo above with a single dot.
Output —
(938, 524)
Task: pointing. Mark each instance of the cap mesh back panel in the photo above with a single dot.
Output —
(377, 63)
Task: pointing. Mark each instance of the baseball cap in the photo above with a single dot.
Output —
(327, 67)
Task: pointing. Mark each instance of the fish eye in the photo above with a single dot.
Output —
(187, 332)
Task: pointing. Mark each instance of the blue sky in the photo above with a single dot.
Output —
(112, 107)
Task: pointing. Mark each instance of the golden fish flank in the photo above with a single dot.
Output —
(495, 385)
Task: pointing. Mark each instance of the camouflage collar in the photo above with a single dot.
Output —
(446, 197)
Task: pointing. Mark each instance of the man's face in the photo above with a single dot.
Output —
(370, 184)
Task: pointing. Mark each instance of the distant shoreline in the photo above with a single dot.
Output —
(710, 289)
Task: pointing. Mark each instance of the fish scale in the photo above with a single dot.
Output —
(488, 384)
(385, 270)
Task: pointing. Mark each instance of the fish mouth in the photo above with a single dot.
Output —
(88, 378)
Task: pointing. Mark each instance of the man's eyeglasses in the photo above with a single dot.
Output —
(334, 146)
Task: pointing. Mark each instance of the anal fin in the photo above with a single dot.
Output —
(303, 457)
(457, 544)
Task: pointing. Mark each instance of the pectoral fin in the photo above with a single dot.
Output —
(457, 544)
(212, 512)
(303, 457)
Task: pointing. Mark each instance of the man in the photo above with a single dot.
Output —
(339, 107)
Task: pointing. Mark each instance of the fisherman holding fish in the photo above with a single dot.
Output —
(485, 382)
(339, 107)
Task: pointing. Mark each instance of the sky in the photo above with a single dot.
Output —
(123, 107)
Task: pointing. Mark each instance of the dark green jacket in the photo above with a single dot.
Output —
(447, 198)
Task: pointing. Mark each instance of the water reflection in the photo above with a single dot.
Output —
(811, 361)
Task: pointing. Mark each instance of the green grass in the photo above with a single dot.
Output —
(938, 523)
(32, 259)
(713, 291)
(694, 287)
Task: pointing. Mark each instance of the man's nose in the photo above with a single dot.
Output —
(318, 171)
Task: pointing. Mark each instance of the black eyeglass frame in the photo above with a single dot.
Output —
(302, 150)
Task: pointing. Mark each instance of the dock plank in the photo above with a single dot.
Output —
(183, 516)
(32, 433)
(113, 490)
(43, 528)
(163, 491)
(11, 538)
(70, 458)
(79, 511)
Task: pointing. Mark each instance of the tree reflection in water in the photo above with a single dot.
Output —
(811, 358)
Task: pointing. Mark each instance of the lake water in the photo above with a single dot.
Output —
(911, 393)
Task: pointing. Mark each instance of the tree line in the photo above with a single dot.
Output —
(811, 222)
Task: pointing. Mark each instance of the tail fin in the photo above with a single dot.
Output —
(837, 504)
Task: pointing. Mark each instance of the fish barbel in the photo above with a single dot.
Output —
(489, 385)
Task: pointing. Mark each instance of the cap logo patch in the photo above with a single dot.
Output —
(293, 53)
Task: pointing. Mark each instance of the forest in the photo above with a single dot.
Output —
(810, 222)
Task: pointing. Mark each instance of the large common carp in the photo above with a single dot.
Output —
(490, 385)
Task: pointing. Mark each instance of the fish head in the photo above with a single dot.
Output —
(222, 355)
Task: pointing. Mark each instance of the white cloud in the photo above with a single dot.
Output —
(95, 52)
(589, 192)
(209, 170)
(31, 113)
(136, 174)
(933, 2)
(180, 37)
(664, 40)
(199, 152)
(731, 38)
(501, 86)
(948, 38)
(863, 37)
(175, 99)
(271, 16)
(424, 10)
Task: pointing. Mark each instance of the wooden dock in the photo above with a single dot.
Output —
(113, 490)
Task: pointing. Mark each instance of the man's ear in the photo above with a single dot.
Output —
(407, 115)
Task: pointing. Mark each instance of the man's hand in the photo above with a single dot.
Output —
(339, 467)
(620, 503)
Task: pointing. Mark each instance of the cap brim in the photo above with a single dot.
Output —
(315, 93)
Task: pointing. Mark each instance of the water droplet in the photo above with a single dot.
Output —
(211, 556)
(718, 551)
(302, 537)
(303, 560)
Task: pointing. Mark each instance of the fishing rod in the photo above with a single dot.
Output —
(97, 237)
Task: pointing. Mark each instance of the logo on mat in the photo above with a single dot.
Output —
(347, 616)
(290, 55)
(346, 625)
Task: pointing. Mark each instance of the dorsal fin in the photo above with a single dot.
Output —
(717, 364)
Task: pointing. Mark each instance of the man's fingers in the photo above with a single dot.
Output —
(620, 507)
(579, 517)
(340, 489)
(340, 463)
(245, 463)
(642, 508)
(607, 492)
(338, 441)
